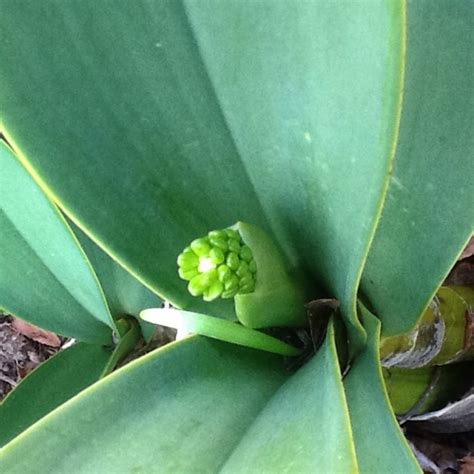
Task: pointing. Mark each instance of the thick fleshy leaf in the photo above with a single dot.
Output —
(125, 295)
(429, 213)
(380, 444)
(154, 122)
(305, 427)
(198, 406)
(300, 85)
(415, 391)
(185, 405)
(49, 385)
(441, 336)
(45, 278)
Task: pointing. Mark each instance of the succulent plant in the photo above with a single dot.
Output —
(342, 129)
(219, 264)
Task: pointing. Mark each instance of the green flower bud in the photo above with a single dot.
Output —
(217, 255)
(233, 261)
(214, 291)
(246, 281)
(234, 246)
(188, 260)
(195, 287)
(218, 265)
(245, 253)
(217, 234)
(186, 274)
(224, 273)
(232, 283)
(232, 234)
(229, 293)
(246, 289)
(201, 282)
(219, 243)
(223, 264)
(201, 247)
(243, 269)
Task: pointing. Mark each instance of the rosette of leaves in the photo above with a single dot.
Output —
(151, 122)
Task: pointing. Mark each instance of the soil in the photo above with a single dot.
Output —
(442, 453)
(19, 354)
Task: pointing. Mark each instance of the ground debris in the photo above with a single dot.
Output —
(19, 354)
(462, 273)
(467, 465)
(468, 250)
(161, 336)
(456, 417)
(442, 453)
(47, 338)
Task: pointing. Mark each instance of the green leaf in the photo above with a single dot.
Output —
(198, 405)
(278, 298)
(125, 295)
(45, 278)
(49, 385)
(189, 402)
(129, 330)
(305, 427)
(380, 444)
(441, 336)
(218, 329)
(416, 391)
(310, 94)
(405, 387)
(145, 116)
(428, 215)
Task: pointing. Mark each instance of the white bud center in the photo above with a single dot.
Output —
(206, 264)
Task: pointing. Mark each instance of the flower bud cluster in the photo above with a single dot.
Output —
(219, 264)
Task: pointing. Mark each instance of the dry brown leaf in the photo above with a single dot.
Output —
(467, 465)
(33, 332)
(456, 417)
(468, 250)
(462, 274)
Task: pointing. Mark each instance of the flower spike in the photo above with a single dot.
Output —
(243, 262)
(218, 265)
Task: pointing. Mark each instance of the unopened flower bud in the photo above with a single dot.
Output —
(219, 264)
